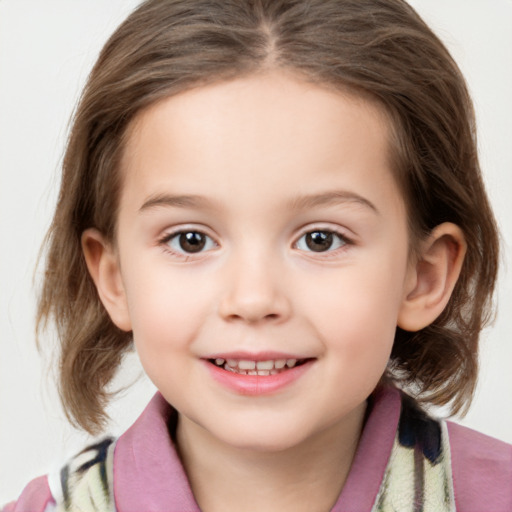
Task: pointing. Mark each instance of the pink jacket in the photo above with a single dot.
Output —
(148, 475)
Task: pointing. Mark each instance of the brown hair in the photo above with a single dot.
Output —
(380, 48)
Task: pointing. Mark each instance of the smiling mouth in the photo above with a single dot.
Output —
(263, 368)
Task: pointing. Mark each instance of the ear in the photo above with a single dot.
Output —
(103, 265)
(432, 278)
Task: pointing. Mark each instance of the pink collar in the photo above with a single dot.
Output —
(148, 474)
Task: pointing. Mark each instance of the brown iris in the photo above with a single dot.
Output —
(319, 241)
(192, 241)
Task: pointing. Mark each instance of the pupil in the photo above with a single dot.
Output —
(192, 241)
(319, 241)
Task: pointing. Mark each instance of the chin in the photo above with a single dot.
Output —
(260, 443)
(262, 437)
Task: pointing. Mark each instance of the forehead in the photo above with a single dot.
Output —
(255, 136)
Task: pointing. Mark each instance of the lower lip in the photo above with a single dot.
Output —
(254, 385)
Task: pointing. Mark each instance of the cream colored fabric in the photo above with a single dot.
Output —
(87, 481)
(413, 483)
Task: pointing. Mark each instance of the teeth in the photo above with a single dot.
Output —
(265, 365)
(246, 365)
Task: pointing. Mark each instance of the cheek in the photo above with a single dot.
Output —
(166, 319)
(369, 294)
(358, 335)
(356, 311)
(165, 309)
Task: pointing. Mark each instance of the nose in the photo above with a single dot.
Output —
(255, 291)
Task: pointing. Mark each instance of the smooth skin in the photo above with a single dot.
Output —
(257, 171)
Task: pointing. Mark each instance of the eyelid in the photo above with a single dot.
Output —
(342, 232)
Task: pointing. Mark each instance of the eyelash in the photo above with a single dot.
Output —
(341, 238)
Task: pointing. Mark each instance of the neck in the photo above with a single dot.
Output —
(306, 477)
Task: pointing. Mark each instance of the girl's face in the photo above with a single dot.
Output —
(261, 230)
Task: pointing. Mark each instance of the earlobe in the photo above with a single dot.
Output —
(432, 278)
(103, 265)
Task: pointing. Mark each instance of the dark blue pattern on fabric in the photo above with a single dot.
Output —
(98, 455)
(416, 429)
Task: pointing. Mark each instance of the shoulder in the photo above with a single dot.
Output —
(36, 497)
(478, 468)
(84, 483)
(481, 468)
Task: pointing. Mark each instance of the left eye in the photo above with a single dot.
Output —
(320, 241)
(190, 242)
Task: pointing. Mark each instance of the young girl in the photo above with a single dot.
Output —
(279, 204)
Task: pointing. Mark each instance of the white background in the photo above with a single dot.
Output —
(47, 48)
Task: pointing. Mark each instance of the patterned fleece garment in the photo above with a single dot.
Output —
(405, 462)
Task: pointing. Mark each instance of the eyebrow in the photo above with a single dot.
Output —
(331, 197)
(176, 201)
(299, 203)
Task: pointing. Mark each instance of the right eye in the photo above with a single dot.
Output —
(189, 242)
